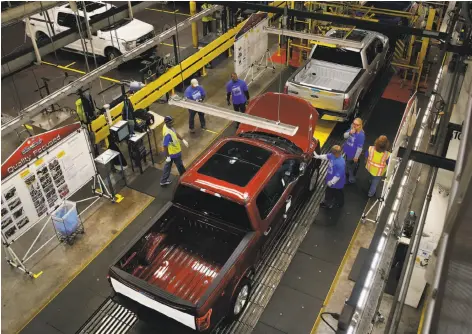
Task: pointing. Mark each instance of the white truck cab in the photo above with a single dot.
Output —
(110, 42)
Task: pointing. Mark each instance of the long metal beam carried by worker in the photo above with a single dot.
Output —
(34, 109)
(313, 37)
(357, 22)
(235, 116)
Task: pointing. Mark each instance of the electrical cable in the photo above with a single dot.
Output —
(334, 315)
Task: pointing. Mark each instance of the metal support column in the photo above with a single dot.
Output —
(424, 45)
(130, 7)
(33, 41)
(193, 11)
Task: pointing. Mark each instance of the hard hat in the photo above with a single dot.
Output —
(168, 120)
(194, 82)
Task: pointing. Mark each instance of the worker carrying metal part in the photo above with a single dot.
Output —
(206, 20)
(195, 92)
(236, 89)
(377, 161)
(335, 178)
(172, 150)
(352, 148)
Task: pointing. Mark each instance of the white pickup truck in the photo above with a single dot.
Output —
(111, 42)
(338, 75)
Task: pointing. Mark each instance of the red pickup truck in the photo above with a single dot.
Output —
(195, 259)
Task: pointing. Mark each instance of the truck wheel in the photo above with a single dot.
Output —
(112, 53)
(42, 39)
(314, 179)
(240, 299)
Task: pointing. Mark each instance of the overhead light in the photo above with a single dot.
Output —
(234, 116)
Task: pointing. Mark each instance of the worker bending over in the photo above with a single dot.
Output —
(335, 178)
(172, 150)
(352, 148)
(377, 160)
(196, 93)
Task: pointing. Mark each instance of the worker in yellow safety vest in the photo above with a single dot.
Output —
(172, 150)
(206, 20)
(79, 108)
(377, 160)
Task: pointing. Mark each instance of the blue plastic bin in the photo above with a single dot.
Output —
(66, 219)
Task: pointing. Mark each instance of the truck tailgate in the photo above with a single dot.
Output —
(319, 98)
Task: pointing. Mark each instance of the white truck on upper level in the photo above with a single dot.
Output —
(110, 42)
(338, 75)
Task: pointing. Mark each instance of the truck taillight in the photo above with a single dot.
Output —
(203, 323)
(286, 89)
(346, 103)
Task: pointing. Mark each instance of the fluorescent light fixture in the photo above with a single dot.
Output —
(235, 116)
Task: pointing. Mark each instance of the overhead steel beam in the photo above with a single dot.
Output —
(23, 58)
(34, 109)
(16, 14)
(429, 159)
(323, 39)
(359, 23)
(235, 116)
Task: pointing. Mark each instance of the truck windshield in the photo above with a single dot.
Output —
(338, 56)
(213, 206)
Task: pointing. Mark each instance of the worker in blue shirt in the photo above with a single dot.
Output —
(236, 89)
(195, 92)
(335, 178)
(172, 150)
(353, 146)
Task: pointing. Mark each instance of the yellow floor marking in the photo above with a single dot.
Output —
(167, 44)
(168, 12)
(77, 71)
(336, 278)
(86, 264)
(323, 130)
(211, 131)
(70, 64)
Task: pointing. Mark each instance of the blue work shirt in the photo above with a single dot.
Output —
(336, 167)
(195, 93)
(354, 141)
(167, 141)
(237, 89)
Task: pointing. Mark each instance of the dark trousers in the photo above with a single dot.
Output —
(191, 119)
(206, 28)
(168, 167)
(334, 196)
(240, 107)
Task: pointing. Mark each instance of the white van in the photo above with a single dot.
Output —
(109, 42)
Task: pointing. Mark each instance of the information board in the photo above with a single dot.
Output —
(251, 43)
(40, 174)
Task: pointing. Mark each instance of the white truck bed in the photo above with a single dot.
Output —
(327, 76)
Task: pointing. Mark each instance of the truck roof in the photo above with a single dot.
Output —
(234, 168)
(363, 37)
(91, 7)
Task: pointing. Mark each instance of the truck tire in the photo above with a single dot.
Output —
(42, 38)
(111, 53)
(240, 299)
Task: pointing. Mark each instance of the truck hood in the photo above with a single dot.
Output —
(327, 76)
(132, 31)
(292, 110)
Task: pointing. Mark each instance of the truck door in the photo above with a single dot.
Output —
(65, 21)
(276, 200)
(373, 57)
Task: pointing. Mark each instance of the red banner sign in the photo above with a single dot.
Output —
(34, 146)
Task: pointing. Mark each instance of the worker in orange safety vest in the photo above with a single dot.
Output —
(377, 159)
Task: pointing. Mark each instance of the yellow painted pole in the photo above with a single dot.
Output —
(425, 43)
(280, 27)
(193, 11)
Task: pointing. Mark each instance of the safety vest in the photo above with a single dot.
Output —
(206, 18)
(80, 110)
(376, 162)
(174, 146)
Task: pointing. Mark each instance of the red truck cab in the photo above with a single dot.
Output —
(195, 260)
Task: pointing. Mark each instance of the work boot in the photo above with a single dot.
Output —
(325, 206)
(192, 130)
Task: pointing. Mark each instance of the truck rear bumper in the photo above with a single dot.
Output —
(340, 115)
(182, 317)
